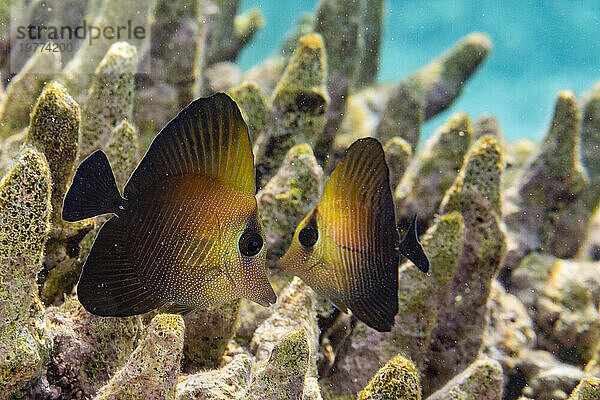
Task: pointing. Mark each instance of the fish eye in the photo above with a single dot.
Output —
(250, 244)
(308, 236)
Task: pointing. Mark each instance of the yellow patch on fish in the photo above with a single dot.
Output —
(187, 231)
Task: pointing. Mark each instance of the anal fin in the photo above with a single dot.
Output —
(109, 285)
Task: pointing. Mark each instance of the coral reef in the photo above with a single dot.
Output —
(255, 106)
(24, 223)
(207, 334)
(420, 300)
(433, 171)
(54, 130)
(476, 195)
(294, 310)
(551, 181)
(300, 104)
(397, 156)
(110, 98)
(79, 72)
(283, 375)
(289, 196)
(480, 324)
(398, 379)
(152, 369)
(589, 388)
(87, 349)
(481, 380)
(23, 90)
(223, 384)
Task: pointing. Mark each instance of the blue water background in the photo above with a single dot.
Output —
(540, 48)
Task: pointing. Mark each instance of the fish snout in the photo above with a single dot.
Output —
(263, 295)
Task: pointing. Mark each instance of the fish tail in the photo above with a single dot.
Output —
(94, 190)
(411, 248)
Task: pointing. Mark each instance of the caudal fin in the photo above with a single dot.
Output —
(412, 249)
(94, 190)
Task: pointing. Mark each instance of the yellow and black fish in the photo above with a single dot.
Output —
(187, 231)
(347, 248)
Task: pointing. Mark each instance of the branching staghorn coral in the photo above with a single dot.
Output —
(398, 154)
(255, 106)
(73, 353)
(207, 334)
(289, 196)
(294, 310)
(54, 130)
(222, 384)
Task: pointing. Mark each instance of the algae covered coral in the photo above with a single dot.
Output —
(509, 310)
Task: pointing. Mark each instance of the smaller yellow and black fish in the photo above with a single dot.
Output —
(347, 248)
(187, 231)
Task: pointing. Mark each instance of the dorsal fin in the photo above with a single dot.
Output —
(208, 137)
(362, 176)
(367, 241)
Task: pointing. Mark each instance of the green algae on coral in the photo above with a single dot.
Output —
(540, 213)
(284, 373)
(433, 170)
(54, 130)
(372, 27)
(294, 310)
(122, 149)
(566, 311)
(25, 210)
(23, 90)
(476, 195)
(207, 333)
(255, 106)
(588, 389)
(221, 384)
(403, 114)
(443, 79)
(481, 380)
(300, 103)
(419, 295)
(87, 349)
(110, 98)
(398, 379)
(152, 369)
(397, 157)
(289, 196)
